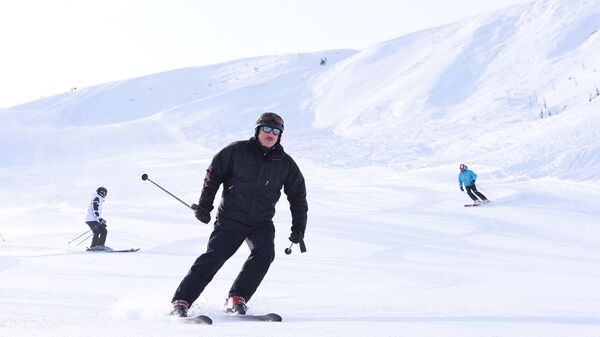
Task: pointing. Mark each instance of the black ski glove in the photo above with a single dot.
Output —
(473, 183)
(296, 236)
(201, 214)
(462, 189)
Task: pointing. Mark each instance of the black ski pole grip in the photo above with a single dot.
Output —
(302, 246)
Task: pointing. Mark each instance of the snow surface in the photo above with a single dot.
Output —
(379, 134)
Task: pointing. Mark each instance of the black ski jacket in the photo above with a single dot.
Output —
(252, 181)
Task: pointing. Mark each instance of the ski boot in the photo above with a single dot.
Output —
(180, 308)
(235, 305)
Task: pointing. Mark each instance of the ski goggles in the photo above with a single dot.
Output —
(267, 129)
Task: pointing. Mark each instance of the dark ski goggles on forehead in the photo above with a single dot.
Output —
(267, 129)
(271, 116)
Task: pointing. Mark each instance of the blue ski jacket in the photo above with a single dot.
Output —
(466, 177)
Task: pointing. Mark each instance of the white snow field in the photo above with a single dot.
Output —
(379, 135)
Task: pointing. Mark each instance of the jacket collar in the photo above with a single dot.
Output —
(274, 153)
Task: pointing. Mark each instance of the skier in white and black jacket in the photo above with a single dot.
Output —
(252, 173)
(95, 221)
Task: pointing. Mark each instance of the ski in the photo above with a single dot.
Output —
(113, 250)
(477, 204)
(200, 319)
(271, 317)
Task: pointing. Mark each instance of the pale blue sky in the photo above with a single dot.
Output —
(49, 47)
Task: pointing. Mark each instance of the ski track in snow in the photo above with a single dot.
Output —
(400, 261)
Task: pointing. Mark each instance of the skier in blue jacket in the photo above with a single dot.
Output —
(467, 178)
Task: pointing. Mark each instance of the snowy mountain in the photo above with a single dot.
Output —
(473, 82)
(379, 134)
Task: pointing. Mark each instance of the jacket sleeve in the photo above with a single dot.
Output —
(460, 183)
(97, 209)
(215, 175)
(295, 190)
(473, 176)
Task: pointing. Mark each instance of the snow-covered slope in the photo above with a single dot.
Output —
(459, 92)
(462, 92)
(379, 134)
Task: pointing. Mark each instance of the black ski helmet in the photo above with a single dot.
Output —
(102, 191)
(270, 119)
(462, 167)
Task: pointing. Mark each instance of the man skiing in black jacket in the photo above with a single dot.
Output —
(252, 173)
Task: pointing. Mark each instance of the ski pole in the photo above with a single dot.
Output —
(145, 177)
(87, 237)
(288, 250)
(77, 237)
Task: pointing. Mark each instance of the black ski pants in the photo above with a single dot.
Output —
(223, 243)
(99, 233)
(472, 190)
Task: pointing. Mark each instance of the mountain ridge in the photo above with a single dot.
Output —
(458, 92)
